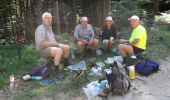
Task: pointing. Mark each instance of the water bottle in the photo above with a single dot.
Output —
(131, 72)
(36, 77)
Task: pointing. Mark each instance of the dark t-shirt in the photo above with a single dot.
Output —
(107, 33)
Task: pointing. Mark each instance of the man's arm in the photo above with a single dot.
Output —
(134, 42)
(40, 39)
(45, 44)
(92, 32)
(76, 36)
(123, 41)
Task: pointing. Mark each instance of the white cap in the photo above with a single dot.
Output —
(134, 17)
(109, 18)
(84, 18)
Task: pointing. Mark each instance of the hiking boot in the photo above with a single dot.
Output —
(58, 74)
(65, 62)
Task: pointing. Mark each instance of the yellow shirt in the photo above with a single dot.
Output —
(139, 33)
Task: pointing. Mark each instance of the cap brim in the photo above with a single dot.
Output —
(129, 18)
(132, 19)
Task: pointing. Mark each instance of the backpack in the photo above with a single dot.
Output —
(39, 71)
(146, 67)
(119, 83)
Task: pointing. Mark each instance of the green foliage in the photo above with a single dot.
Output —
(10, 64)
(2, 81)
(142, 1)
(158, 42)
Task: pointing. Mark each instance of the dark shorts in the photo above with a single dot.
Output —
(137, 50)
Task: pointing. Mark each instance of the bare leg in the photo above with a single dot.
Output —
(65, 49)
(106, 43)
(57, 54)
(125, 49)
(94, 43)
(80, 47)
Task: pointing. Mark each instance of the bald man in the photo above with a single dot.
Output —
(137, 42)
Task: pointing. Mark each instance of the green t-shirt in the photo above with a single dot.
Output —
(139, 33)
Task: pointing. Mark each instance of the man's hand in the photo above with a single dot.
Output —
(91, 41)
(49, 44)
(85, 41)
(123, 41)
(55, 44)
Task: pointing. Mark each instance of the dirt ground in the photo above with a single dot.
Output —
(153, 87)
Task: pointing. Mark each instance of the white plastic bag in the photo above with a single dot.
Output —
(90, 91)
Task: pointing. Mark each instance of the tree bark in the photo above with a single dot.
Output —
(56, 16)
(38, 12)
(155, 7)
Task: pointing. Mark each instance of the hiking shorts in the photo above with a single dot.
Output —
(45, 52)
(137, 50)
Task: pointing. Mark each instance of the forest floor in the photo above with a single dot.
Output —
(153, 87)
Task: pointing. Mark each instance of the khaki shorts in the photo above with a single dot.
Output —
(45, 52)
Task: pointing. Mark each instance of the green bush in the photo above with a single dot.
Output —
(10, 64)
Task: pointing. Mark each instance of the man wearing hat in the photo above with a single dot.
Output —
(108, 34)
(84, 35)
(137, 42)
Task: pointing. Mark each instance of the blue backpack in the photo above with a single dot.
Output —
(146, 67)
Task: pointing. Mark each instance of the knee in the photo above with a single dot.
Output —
(120, 46)
(105, 42)
(66, 47)
(79, 43)
(96, 41)
(58, 51)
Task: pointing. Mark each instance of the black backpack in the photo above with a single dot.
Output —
(119, 83)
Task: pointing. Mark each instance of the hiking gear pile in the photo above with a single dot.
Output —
(119, 82)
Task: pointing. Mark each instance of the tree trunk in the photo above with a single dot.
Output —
(38, 13)
(56, 16)
(155, 7)
(71, 17)
(103, 9)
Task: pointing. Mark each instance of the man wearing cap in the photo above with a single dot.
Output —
(84, 35)
(46, 44)
(108, 34)
(137, 42)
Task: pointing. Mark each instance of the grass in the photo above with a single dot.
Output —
(158, 45)
(158, 42)
(10, 64)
